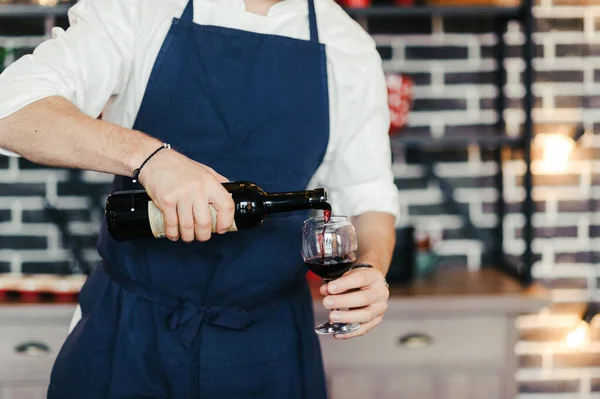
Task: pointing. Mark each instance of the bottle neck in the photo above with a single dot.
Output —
(296, 201)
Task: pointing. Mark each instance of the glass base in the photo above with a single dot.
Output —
(330, 328)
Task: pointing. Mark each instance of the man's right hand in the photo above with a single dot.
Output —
(183, 189)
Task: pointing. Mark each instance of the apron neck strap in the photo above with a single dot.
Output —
(188, 15)
(312, 20)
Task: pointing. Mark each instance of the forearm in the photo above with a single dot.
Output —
(53, 132)
(376, 239)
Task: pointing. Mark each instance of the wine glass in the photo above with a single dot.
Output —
(328, 250)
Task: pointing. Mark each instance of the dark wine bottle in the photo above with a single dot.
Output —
(134, 215)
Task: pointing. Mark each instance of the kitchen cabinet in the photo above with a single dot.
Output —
(30, 338)
(452, 337)
(449, 338)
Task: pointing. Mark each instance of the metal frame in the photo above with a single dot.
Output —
(495, 139)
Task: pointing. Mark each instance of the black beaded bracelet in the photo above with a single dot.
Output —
(136, 173)
(360, 265)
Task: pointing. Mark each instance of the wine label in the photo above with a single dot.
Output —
(157, 221)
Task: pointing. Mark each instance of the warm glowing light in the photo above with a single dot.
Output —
(578, 337)
(556, 150)
(48, 3)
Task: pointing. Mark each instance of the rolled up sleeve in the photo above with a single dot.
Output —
(359, 176)
(86, 64)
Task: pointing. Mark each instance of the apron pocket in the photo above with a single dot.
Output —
(280, 378)
(147, 331)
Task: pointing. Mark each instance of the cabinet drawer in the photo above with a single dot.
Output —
(28, 353)
(422, 342)
(32, 392)
(30, 341)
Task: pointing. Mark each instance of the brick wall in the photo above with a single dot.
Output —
(454, 93)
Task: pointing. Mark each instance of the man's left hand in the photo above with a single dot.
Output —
(363, 291)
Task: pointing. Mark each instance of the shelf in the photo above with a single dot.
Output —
(445, 11)
(454, 142)
(23, 10)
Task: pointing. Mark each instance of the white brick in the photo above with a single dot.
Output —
(440, 91)
(405, 171)
(459, 169)
(97, 177)
(450, 118)
(561, 11)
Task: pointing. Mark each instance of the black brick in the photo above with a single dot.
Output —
(559, 76)
(578, 206)
(436, 52)
(22, 189)
(513, 207)
(45, 267)
(565, 232)
(20, 26)
(590, 102)
(530, 361)
(82, 189)
(576, 360)
(427, 210)
(26, 164)
(73, 215)
(511, 51)
(442, 104)
(5, 215)
(559, 24)
(470, 130)
(487, 155)
(549, 386)
(421, 79)
(565, 283)
(385, 52)
(568, 101)
(4, 267)
(411, 184)
(594, 231)
(570, 50)
(595, 385)
(23, 242)
(415, 25)
(469, 77)
(88, 240)
(579, 257)
(468, 25)
(517, 51)
(472, 182)
(553, 180)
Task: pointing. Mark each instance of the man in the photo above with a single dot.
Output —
(286, 94)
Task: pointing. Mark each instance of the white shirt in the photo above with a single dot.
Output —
(103, 62)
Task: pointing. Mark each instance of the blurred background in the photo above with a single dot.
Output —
(496, 271)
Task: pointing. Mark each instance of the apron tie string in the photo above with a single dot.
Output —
(192, 317)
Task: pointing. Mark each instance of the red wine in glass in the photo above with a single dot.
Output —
(329, 268)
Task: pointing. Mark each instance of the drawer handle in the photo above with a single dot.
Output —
(415, 341)
(32, 349)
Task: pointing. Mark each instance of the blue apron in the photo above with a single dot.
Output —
(231, 317)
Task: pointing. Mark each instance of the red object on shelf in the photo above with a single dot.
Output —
(40, 288)
(355, 3)
(400, 96)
